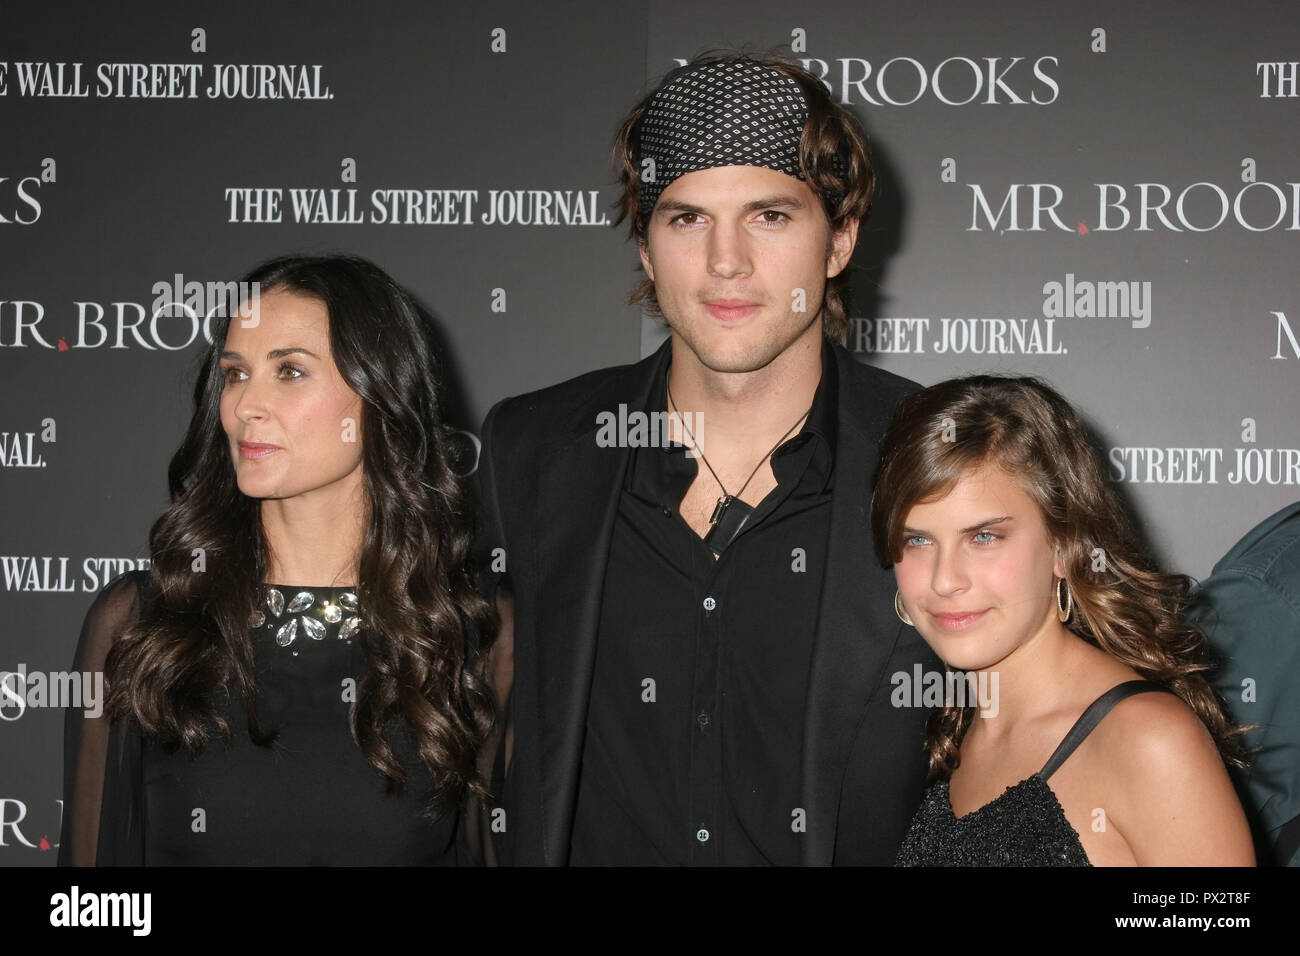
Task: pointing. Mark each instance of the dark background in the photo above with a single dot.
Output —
(421, 100)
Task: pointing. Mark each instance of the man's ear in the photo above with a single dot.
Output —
(643, 248)
(842, 244)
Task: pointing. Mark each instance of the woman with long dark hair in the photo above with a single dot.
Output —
(1077, 727)
(298, 680)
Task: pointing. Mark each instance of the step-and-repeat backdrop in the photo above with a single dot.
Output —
(1106, 195)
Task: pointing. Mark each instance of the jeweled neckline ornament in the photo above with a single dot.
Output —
(312, 615)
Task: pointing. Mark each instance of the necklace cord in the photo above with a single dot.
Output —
(672, 406)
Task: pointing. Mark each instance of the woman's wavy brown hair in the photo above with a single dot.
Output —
(1122, 603)
(830, 134)
(428, 629)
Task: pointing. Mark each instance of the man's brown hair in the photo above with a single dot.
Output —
(831, 137)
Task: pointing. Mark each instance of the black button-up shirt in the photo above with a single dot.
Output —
(695, 725)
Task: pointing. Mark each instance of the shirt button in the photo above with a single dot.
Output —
(709, 603)
(702, 720)
(702, 835)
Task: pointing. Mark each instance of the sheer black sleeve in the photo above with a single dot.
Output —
(101, 758)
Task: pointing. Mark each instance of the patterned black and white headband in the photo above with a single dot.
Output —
(737, 113)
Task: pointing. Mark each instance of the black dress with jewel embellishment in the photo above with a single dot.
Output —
(310, 798)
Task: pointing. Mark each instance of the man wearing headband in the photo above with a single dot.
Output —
(702, 644)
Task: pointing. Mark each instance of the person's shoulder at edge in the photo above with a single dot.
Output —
(1269, 550)
(1166, 788)
(1254, 588)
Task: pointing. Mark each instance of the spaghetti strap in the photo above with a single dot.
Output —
(1091, 717)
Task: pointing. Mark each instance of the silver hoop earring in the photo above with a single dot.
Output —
(901, 611)
(1063, 610)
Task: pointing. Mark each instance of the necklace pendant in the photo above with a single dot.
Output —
(720, 509)
(728, 519)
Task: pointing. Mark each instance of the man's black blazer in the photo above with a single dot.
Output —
(548, 496)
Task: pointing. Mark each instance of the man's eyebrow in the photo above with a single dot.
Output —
(780, 201)
(676, 205)
(775, 202)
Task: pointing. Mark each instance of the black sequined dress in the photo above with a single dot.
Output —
(1025, 826)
